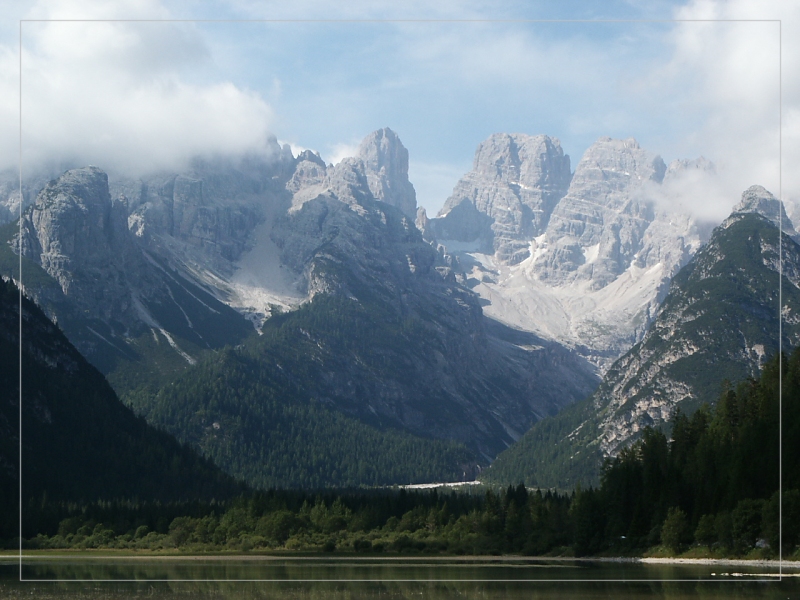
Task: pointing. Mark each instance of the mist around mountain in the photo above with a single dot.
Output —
(581, 258)
(263, 309)
(717, 326)
(358, 328)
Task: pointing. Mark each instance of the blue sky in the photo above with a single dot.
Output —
(143, 96)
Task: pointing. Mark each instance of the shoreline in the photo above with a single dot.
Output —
(100, 554)
(723, 562)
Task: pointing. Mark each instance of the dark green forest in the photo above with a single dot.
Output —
(722, 298)
(715, 483)
(79, 442)
(711, 490)
(255, 410)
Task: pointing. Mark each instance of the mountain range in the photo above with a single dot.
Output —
(716, 327)
(583, 258)
(263, 309)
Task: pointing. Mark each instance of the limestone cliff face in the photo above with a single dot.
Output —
(210, 210)
(80, 238)
(386, 168)
(507, 198)
(597, 228)
(584, 258)
(110, 290)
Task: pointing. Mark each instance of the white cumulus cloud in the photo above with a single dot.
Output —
(122, 94)
(736, 64)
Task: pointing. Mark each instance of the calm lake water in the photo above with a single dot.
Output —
(381, 578)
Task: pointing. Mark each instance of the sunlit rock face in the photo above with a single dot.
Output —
(385, 162)
(507, 197)
(581, 258)
(80, 238)
(598, 227)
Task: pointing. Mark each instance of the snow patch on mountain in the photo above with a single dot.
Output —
(261, 285)
(592, 266)
(597, 323)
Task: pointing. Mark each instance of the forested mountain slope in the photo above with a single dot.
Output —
(79, 442)
(718, 323)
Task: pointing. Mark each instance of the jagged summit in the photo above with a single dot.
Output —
(682, 165)
(598, 227)
(581, 258)
(507, 197)
(386, 168)
(310, 156)
(756, 199)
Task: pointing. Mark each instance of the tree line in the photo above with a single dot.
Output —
(712, 486)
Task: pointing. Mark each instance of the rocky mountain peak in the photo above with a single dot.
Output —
(684, 165)
(74, 224)
(309, 170)
(386, 167)
(507, 197)
(611, 165)
(596, 230)
(558, 253)
(311, 156)
(523, 160)
(756, 199)
(88, 183)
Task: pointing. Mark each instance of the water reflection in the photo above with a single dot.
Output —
(342, 578)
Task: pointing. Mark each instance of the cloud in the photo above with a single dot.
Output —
(341, 151)
(97, 9)
(122, 95)
(735, 80)
(367, 9)
(150, 95)
(700, 192)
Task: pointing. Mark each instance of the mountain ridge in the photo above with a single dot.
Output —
(343, 239)
(589, 265)
(716, 313)
(79, 442)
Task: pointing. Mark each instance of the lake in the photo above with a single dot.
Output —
(86, 577)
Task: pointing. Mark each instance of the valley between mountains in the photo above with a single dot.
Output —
(303, 324)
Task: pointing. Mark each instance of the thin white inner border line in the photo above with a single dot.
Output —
(19, 283)
(780, 302)
(355, 21)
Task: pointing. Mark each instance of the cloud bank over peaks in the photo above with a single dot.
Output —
(740, 61)
(123, 95)
(692, 187)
